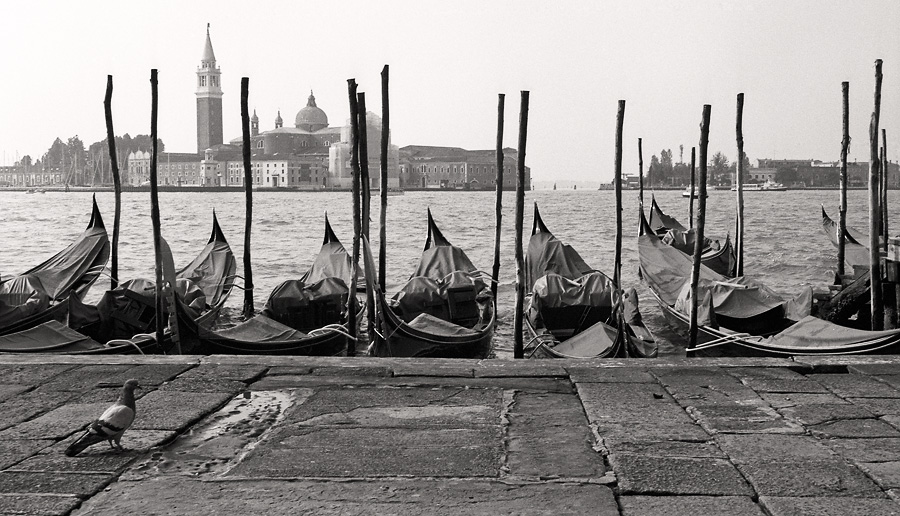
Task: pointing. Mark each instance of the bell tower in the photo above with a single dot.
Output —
(209, 99)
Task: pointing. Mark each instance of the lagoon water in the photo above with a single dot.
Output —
(785, 246)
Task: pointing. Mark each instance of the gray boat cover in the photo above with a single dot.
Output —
(547, 255)
(21, 297)
(262, 329)
(660, 222)
(293, 294)
(814, 333)
(50, 336)
(856, 243)
(668, 271)
(555, 291)
(589, 343)
(431, 324)
(424, 294)
(211, 271)
(331, 262)
(74, 268)
(440, 260)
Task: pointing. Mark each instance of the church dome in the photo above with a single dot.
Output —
(311, 118)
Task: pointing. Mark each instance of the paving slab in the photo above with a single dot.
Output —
(743, 419)
(49, 482)
(771, 373)
(638, 474)
(31, 373)
(839, 363)
(37, 505)
(411, 497)
(891, 368)
(689, 506)
(17, 450)
(786, 386)
(810, 478)
(100, 459)
(31, 404)
(854, 428)
(878, 406)
(175, 410)
(815, 414)
(201, 384)
(655, 447)
(149, 374)
(793, 399)
(84, 378)
(833, 506)
(885, 474)
(582, 374)
(855, 386)
(8, 391)
(866, 450)
(548, 437)
(239, 372)
(514, 383)
(57, 423)
(746, 448)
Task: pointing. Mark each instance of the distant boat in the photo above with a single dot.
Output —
(696, 194)
(768, 186)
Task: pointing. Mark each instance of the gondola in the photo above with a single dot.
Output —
(42, 293)
(306, 316)
(717, 256)
(742, 317)
(570, 311)
(445, 310)
(856, 249)
(124, 320)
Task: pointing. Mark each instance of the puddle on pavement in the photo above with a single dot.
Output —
(219, 442)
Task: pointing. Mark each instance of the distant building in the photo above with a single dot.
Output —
(455, 168)
(308, 155)
(816, 173)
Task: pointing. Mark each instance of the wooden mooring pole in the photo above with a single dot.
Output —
(518, 348)
(154, 211)
(247, 312)
(617, 181)
(701, 223)
(385, 149)
(877, 304)
(354, 165)
(640, 173)
(739, 180)
(845, 149)
(365, 185)
(693, 183)
(365, 197)
(885, 233)
(117, 182)
(495, 273)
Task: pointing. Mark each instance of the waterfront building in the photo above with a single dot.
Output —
(423, 166)
(209, 99)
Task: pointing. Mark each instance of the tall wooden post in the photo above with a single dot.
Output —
(885, 232)
(640, 173)
(495, 274)
(248, 198)
(154, 211)
(874, 209)
(617, 268)
(701, 223)
(117, 182)
(385, 149)
(693, 184)
(739, 180)
(354, 165)
(364, 183)
(518, 348)
(366, 196)
(845, 149)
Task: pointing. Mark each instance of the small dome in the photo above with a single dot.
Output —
(311, 118)
(254, 118)
(278, 120)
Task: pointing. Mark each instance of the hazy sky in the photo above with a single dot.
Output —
(449, 60)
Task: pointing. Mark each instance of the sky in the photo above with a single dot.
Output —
(449, 61)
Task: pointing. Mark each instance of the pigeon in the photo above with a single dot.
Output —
(111, 424)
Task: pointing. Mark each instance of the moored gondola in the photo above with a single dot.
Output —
(124, 319)
(571, 310)
(445, 310)
(856, 250)
(742, 317)
(717, 256)
(306, 316)
(42, 293)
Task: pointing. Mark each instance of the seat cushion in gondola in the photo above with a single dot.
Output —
(21, 297)
(308, 307)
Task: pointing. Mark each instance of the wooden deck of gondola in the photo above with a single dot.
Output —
(302, 435)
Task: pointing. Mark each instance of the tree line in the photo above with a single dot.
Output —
(80, 166)
(664, 171)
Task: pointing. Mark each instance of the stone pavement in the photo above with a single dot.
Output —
(299, 435)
